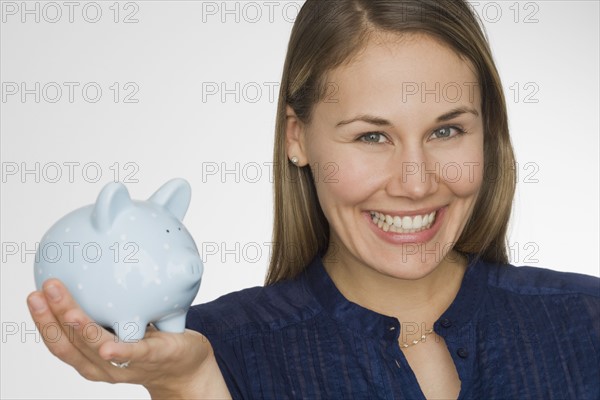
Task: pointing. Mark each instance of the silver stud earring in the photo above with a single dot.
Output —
(294, 160)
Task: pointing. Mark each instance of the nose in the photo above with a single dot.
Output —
(413, 174)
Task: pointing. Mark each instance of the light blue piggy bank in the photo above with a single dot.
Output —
(126, 262)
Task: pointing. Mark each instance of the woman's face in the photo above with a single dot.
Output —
(396, 150)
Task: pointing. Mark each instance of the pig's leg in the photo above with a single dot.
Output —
(129, 331)
(174, 323)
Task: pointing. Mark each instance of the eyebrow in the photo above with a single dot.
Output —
(456, 112)
(384, 122)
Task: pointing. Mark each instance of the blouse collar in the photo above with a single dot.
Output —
(367, 322)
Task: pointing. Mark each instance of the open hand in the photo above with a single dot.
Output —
(169, 365)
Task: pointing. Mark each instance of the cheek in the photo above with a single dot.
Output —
(462, 171)
(343, 179)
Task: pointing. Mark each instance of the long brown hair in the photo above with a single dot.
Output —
(327, 34)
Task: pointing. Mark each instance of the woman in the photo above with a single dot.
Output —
(393, 193)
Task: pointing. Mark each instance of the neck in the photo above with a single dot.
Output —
(419, 301)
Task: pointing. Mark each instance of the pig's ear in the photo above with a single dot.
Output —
(113, 199)
(174, 196)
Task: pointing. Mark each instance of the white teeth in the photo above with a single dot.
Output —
(404, 224)
(417, 221)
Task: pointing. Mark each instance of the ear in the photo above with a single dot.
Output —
(174, 196)
(113, 199)
(295, 137)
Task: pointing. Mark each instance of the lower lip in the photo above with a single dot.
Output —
(403, 238)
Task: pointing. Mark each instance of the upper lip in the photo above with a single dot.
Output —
(422, 211)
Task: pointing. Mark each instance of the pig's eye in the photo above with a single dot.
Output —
(179, 228)
(167, 231)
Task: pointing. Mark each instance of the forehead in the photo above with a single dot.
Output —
(402, 73)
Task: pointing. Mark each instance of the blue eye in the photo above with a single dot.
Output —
(373, 137)
(445, 132)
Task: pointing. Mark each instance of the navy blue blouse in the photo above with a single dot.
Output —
(513, 333)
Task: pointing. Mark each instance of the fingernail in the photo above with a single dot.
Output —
(36, 304)
(53, 292)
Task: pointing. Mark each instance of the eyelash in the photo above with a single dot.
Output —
(362, 137)
(459, 129)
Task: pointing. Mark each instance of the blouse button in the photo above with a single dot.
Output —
(446, 323)
(462, 352)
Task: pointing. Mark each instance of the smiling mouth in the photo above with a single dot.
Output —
(405, 224)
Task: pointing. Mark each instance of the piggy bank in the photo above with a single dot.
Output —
(126, 262)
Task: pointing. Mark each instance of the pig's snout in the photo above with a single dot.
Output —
(195, 268)
(188, 268)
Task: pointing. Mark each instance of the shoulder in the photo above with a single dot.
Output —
(541, 295)
(543, 306)
(256, 309)
(528, 280)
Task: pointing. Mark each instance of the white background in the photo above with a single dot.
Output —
(177, 49)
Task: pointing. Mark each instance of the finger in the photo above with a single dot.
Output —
(55, 339)
(140, 356)
(159, 348)
(138, 351)
(86, 336)
(82, 331)
(159, 351)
